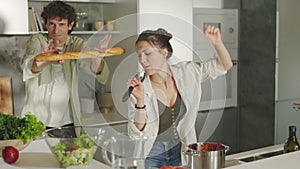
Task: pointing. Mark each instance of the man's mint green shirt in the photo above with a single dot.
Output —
(38, 86)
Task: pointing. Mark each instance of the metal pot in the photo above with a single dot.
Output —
(206, 155)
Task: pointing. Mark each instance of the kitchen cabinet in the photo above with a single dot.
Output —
(15, 23)
(220, 92)
(176, 19)
(83, 1)
(92, 8)
(221, 129)
(135, 16)
(285, 116)
(14, 17)
(287, 79)
(208, 3)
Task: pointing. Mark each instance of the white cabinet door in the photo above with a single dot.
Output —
(208, 3)
(14, 15)
(285, 116)
(176, 16)
(287, 77)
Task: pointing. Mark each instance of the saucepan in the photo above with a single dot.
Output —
(207, 155)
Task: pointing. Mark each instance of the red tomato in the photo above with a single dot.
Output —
(167, 167)
(164, 167)
(171, 167)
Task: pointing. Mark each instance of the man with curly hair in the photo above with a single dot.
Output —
(52, 87)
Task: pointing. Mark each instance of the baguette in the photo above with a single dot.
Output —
(52, 56)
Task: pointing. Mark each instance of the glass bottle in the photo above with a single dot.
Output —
(292, 143)
(81, 24)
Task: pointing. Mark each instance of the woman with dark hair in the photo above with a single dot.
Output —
(163, 108)
(51, 88)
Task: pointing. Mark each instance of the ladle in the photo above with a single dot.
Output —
(140, 76)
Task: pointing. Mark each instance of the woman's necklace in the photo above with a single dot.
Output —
(173, 123)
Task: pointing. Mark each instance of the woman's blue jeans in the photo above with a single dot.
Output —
(164, 153)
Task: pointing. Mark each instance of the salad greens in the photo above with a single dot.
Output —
(75, 151)
(24, 128)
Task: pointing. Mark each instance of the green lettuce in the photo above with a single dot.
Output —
(24, 128)
(75, 151)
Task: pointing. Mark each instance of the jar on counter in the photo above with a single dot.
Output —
(81, 22)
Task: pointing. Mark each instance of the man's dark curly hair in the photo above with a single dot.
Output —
(59, 9)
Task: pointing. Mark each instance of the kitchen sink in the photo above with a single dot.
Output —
(262, 156)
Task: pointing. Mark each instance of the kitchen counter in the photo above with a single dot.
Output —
(255, 152)
(280, 161)
(112, 117)
(37, 155)
(290, 160)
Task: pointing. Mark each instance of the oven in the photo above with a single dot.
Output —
(221, 92)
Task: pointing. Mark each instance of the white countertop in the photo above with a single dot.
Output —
(255, 152)
(289, 160)
(38, 156)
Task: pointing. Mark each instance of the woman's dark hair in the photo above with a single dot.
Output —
(59, 9)
(159, 38)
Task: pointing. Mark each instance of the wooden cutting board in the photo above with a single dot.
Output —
(6, 98)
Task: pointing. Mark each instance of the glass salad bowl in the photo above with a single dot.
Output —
(72, 146)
